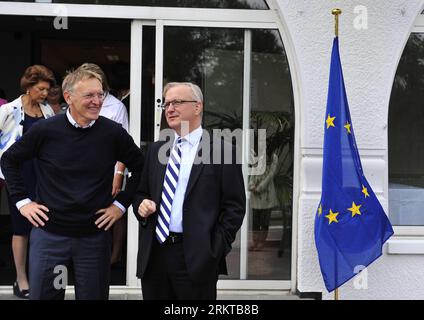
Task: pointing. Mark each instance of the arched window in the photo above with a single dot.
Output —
(406, 137)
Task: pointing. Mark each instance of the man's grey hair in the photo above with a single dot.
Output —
(77, 75)
(197, 93)
(95, 68)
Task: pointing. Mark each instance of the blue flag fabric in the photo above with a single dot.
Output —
(350, 224)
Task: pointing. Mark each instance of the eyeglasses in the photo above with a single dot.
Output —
(90, 96)
(175, 103)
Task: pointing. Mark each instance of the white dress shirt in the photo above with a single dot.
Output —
(75, 124)
(189, 147)
(115, 110)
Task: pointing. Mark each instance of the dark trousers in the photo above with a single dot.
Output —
(50, 257)
(166, 276)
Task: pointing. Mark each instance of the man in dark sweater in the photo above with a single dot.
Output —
(74, 209)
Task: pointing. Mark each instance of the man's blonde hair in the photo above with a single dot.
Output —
(77, 75)
(95, 68)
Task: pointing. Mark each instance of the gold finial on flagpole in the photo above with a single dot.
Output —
(336, 13)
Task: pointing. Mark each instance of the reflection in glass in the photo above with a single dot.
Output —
(213, 59)
(406, 141)
(225, 4)
(271, 193)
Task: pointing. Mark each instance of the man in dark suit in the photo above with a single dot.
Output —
(190, 207)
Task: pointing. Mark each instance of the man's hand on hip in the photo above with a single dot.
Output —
(34, 212)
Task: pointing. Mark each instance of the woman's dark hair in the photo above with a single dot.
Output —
(34, 74)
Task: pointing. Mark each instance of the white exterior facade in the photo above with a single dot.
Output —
(370, 58)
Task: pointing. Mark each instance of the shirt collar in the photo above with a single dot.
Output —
(193, 137)
(74, 123)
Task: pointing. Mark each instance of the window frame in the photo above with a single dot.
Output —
(409, 231)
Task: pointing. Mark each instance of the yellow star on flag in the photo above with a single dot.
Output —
(319, 209)
(365, 191)
(332, 217)
(355, 209)
(329, 121)
(347, 126)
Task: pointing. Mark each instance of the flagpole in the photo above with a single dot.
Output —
(336, 13)
(340, 159)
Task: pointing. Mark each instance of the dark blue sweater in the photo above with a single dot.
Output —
(75, 169)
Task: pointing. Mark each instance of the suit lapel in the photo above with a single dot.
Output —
(161, 169)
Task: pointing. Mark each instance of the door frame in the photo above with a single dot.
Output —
(161, 24)
(205, 17)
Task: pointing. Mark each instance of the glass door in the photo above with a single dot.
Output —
(245, 78)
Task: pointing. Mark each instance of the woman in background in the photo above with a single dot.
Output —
(55, 101)
(16, 118)
(263, 199)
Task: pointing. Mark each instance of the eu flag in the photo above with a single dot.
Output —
(350, 224)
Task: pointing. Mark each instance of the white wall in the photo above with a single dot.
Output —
(369, 58)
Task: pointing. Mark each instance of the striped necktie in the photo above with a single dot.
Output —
(168, 192)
